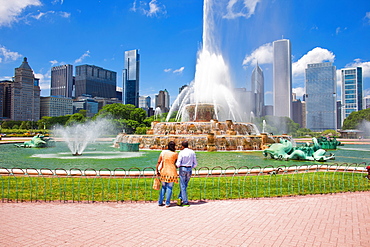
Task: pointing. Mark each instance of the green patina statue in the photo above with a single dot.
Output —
(285, 151)
(328, 142)
(38, 141)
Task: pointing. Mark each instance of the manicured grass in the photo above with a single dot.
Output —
(101, 189)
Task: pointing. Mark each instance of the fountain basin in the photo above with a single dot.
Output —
(203, 136)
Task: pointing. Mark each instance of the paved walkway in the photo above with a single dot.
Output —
(318, 220)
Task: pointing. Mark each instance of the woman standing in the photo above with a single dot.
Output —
(167, 172)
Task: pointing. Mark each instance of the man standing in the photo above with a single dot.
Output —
(185, 162)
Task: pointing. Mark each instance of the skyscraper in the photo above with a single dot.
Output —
(144, 102)
(321, 96)
(24, 95)
(62, 81)
(352, 97)
(95, 81)
(366, 104)
(131, 78)
(258, 91)
(282, 74)
(162, 100)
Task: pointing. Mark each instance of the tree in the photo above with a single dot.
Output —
(280, 125)
(117, 111)
(83, 112)
(141, 130)
(329, 132)
(355, 119)
(23, 125)
(5, 125)
(76, 118)
(302, 132)
(138, 114)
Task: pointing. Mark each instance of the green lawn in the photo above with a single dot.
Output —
(94, 189)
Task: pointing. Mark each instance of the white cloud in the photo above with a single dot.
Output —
(41, 14)
(86, 54)
(263, 55)
(167, 70)
(339, 78)
(5, 78)
(11, 10)
(54, 62)
(339, 30)
(179, 71)
(57, 1)
(153, 8)
(44, 80)
(299, 91)
(359, 63)
(240, 8)
(367, 92)
(7, 55)
(64, 14)
(367, 17)
(51, 12)
(316, 55)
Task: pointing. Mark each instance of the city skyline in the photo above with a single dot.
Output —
(168, 36)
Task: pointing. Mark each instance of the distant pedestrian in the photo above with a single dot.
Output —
(368, 172)
(167, 172)
(186, 161)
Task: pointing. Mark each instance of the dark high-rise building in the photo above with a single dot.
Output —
(62, 81)
(339, 114)
(182, 88)
(297, 111)
(95, 81)
(131, 78)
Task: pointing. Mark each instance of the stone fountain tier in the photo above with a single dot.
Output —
(202, 136)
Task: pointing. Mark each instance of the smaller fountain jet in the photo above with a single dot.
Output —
(78, 136)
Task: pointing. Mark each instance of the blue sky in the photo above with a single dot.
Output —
(168, 35)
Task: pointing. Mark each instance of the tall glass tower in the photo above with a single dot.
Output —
(352, 97)
(62, 80)
(321, 97)
(131, 78)
(258, 91)
(282, 85)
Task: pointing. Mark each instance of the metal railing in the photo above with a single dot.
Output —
(134, 184)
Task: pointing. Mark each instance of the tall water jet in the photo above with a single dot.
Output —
(158, 114)
(209, 116)
(79, 135)
(263, 126)
(212, 83)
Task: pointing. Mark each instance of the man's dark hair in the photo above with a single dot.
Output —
(185, 144)
(172, 146)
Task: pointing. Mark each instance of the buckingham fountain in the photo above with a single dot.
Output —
(208, 115)
(203, 132)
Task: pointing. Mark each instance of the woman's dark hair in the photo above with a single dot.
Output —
(172, 146)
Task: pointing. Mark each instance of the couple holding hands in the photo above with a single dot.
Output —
(168, 162)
